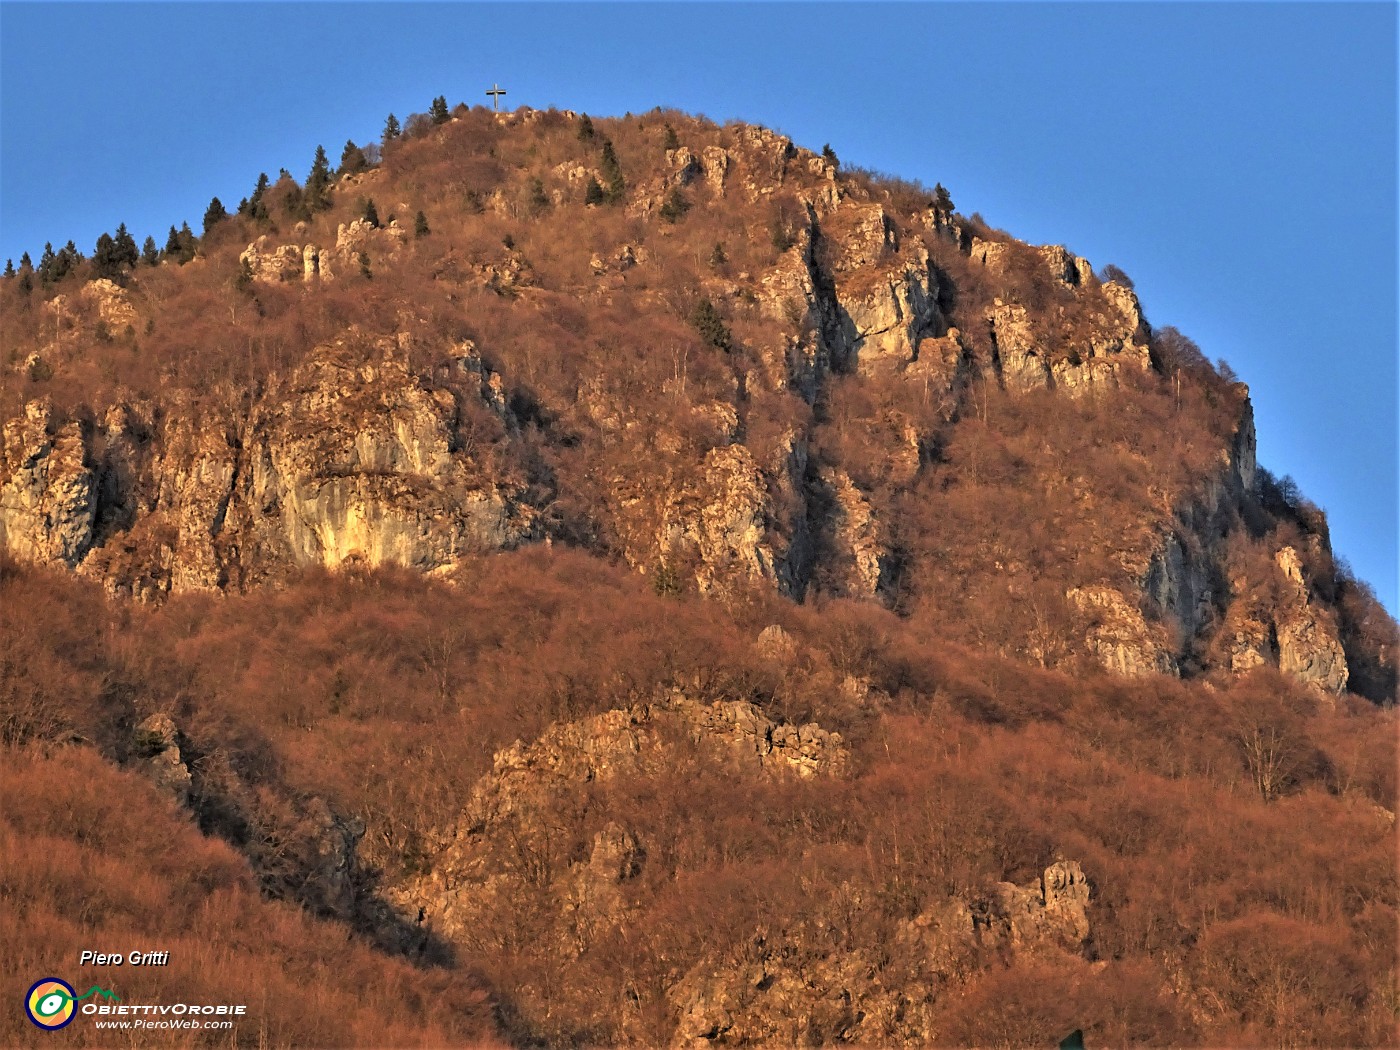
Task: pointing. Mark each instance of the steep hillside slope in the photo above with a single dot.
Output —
(674, 590)
(750, 370)
(653, 820)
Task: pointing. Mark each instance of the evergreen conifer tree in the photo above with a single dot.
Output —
(352, 159)
(66, 260)
(25, 263)
(105, 263)
(612, 173)
(9, 267)
(594, 192)
(675, 207)
(585, 128)
(47, 261)
(439, 112)
(365, 271)
(391, 130)
(420, 225)
(942, 203)
(316, 194)
(829, 155)
(672, 142)
(172, 243)
(127, 254)
(539, 200)
(706, 320)
(371, 214)
(188, 244)
(150, 255)
(213, 215)
(257, 206)
(294, 203)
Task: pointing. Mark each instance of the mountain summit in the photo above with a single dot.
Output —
(743, 491)
(699, 349)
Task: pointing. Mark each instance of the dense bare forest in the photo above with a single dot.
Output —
(552, 581)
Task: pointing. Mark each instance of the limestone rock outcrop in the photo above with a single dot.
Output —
(1019, 358)
(1308, 645)
(861, 564)
(716, 163)
(946, 365)
(268, 262)
(1050, 916)
(991, 254)
(1180, 584)
(788, 978)
(511, 810)
(888, 322)
(157, 742)
(113, 304)
(725, 521)
(1257, 618)
(48, 495)
(1119, 338)
(720, 516)
(362, 236)
(760, 998)
(868, 312)
(765, 154)
(360, 461)
(776, 644)
(352, 461)
(1068, 269)
(1119, 636)
(1110, 333)
(685, 166)
(635, 739)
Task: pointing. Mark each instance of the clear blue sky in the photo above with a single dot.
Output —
(1238, 160)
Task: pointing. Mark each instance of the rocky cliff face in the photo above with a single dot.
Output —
(352, 460)
(48, 501)
(1285, 627)
(1196, 600)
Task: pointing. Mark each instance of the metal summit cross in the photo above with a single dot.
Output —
(496, 92)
